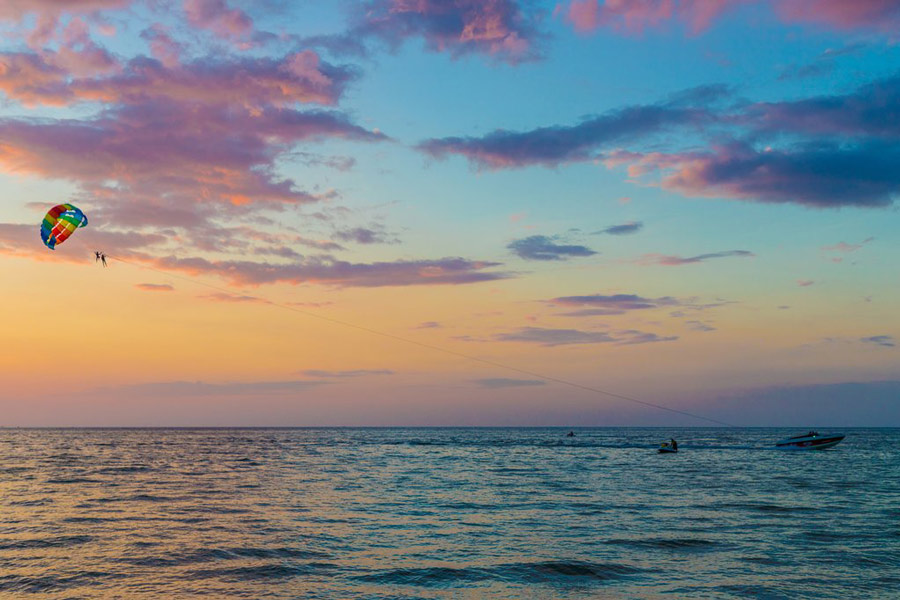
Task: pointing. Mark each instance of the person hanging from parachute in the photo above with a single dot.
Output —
(99, 257)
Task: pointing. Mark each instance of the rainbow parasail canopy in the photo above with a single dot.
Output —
(60, 222)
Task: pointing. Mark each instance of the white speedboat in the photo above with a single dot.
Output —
(811, 441)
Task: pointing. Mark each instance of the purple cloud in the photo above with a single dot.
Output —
(495, 383)
(166, 389)
(301, 77)
(154, 287)
(233, 298)
(633, 336)
(541, 247)
(699, 326)
(820, 176)
(21, 240)
(881, 340)
(637, 16)
(870, 110)
(555, 337)
(616, 304)
(674, 261)
(365, 235)
(824, 151)
(623, 229)
(556, 145)
(53, 9)
(504, 29)
(807, 71)
(169, 161)
(847, 248)
(562, 337)
(328, 270)
(216, 16)
(321, 374)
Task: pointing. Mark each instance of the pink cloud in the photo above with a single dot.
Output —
(22, 240)
(847, 248)
(584, 15)
(331, 271)
(562, 337)
(668, 260)
(29, 79)
(882, 15)
(16, 9)
(52, 78)
(805, 282)
(79, 56)
(233, 298)
(216, 16)
(171, 159)
(613, 304)
(43, 31)
(635, 16)
(154, 287)
(179, 153)
(163, 46)
(638, 15)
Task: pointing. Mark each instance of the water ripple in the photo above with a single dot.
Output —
(434, 513)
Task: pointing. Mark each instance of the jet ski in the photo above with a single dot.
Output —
(667, 448)
(810, 441)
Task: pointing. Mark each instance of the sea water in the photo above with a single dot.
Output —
(446, 513)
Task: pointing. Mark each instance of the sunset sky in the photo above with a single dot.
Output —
(693, 203)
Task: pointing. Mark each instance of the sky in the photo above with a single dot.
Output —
(319, 212)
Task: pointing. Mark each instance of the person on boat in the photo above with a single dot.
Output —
(674, 444)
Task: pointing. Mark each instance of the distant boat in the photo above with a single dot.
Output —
(810, 441)
(667, 448)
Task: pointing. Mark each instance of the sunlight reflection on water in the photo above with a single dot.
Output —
(435, 513)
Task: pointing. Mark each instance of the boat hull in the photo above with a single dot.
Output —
(810, 442)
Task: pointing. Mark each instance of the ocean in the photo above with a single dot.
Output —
(446, 513)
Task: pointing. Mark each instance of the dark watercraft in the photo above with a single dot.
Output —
(667, 448)
(810, 441)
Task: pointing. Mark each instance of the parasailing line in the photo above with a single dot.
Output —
(470, 357)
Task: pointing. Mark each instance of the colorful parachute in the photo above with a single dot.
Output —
(61, 222)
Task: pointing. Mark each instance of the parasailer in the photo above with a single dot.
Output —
(60, 222)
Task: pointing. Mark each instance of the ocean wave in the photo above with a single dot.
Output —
(54, 542)
(546, 572)
(668, 543)
(124, 469)
(34, 502)
(264, 572)
(51, 583)
(764, 507)
(754, 591)
(70, 480)
(222, 554)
